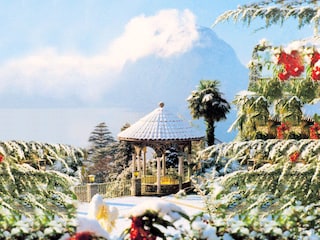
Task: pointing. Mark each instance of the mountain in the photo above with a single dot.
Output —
(137, 90)
(150, 80)
(171, 80)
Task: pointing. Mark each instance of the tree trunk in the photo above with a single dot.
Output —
(210, 132)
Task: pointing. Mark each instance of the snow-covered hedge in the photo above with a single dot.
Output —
(37, 201)
(256, 153)
(251, 190)
(263, 189)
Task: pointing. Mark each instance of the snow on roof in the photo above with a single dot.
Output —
(160, 125)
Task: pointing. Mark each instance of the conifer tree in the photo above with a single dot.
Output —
(122, 156)
(101, 136)
(36, 198)
(99, 153)
(276, 12)
(99, 139)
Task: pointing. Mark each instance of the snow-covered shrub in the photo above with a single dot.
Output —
(36, 203)
(276, 198)
(151, 218)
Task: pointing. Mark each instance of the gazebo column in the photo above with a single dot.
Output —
(180, 171)
(189, 160)
(136, 161)
(139, 165)
(144, 163)
(158, 175)
(163, 164)
(135, 182)
(189, 165)
(133, 164)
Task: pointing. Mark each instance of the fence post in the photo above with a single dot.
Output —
(92, 189)
(136, 187)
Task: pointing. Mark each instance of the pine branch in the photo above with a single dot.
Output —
(273, 12)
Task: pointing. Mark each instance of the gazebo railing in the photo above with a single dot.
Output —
(152, 179)
(164, 180)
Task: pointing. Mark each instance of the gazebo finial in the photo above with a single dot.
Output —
(161, 104)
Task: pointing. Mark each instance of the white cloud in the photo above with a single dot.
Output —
(168, 33)
(48, 71)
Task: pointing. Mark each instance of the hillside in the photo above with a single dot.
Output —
(171, 80)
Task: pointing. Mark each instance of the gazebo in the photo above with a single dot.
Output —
(160, 130)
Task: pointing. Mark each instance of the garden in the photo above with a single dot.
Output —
(262, 185)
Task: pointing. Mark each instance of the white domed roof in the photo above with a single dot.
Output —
(160, 125)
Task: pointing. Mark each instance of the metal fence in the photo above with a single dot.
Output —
(85, 192)
(121, 188)
(118, 189)
(81, 192)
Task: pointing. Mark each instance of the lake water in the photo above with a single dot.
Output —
(73, 125)
(62, 125)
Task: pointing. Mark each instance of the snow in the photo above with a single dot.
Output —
(158, 205)
(134, 206)
(245, 93)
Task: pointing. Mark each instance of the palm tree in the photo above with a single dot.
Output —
(207, 102)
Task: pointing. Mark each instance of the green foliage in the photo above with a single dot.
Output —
(263, 151)
(100, 137)
(271, 89)
(101, 152)
(274, 12)
(257, 190)
(34, 203)
(289, 110)
(147, 226)
(285, 78)
(208, 102)
(117, 160)
(307, 90)
(59, 157)
(265, 58)
(252, 113)
(122, 157)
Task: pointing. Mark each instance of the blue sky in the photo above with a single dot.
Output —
(66, 50)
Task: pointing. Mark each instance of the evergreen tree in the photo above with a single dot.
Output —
(120, 159)
(276, 12)
(109, 157)
(252, 112)
(101, 136)
(172, 158)
(122, 156)
(35, 197)
(98, 152)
